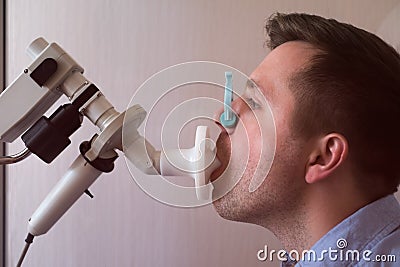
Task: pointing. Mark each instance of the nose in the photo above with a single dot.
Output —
(237, 107)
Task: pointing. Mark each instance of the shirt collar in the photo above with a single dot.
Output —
(363, 229)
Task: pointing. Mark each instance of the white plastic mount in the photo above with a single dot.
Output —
(198, 162)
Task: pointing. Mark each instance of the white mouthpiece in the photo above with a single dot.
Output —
(199, 162)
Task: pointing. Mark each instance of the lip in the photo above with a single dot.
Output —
(223, 155)
(216, 173)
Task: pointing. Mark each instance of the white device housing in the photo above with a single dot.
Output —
(24, 101)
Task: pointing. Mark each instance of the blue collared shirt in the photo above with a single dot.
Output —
(369, 237)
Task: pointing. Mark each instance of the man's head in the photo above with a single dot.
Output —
(334, 91)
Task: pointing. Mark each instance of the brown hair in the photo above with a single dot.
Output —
(351, 86)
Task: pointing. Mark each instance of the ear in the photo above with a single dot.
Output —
(329, 153)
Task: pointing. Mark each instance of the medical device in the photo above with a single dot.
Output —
(54, 73)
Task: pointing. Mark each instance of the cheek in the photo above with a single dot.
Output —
(257, 128)
(246, 147)
(283, 121)
(255, 143)
(283, 136)
(252, 127)
(290, 157)
(261, 134)
(247, 137)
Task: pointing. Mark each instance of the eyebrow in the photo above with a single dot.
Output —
(251, 83)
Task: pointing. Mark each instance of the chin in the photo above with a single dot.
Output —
(240, 205)
(225, 212)
(236, 214)
(230, 207)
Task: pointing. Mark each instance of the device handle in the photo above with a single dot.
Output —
(65, 193)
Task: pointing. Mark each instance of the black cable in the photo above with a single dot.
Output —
(28, 240)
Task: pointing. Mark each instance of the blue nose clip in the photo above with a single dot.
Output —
(228, 118)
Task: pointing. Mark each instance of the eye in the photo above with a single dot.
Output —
(252, 104)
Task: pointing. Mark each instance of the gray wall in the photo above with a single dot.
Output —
(120, 44)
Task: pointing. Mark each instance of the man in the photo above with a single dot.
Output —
(334, 91)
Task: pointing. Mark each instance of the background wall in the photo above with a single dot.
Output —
(120, 44)
(2, 146)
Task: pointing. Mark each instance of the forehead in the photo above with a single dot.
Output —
(273, 73)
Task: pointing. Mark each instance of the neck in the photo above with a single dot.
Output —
(323, 207)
